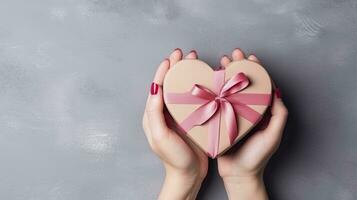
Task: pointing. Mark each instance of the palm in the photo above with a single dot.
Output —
(177, 151)
(186, 155)
(249, 157)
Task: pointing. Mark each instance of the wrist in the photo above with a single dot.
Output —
(243, 178)
(245, 187)
(180, 185)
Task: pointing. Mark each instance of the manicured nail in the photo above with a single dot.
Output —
(154, 88)
(278, 93)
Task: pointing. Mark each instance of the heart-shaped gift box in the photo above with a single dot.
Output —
(217, 108)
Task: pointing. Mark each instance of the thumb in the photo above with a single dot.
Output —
(155, 112)
(155, 103)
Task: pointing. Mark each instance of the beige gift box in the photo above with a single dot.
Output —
(181, 78)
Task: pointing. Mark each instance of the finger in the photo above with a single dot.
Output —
(159, 75)
(279, 114)
(161, 72)
(253, 58)
(156, 119)
(175, 56)
(192, 55)
(237, 54)
(155, 104)
(225, 60)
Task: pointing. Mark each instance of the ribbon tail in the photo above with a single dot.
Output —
(198, 117)
(247, 113)
(249, 98)
(231, 121)
(213, 135)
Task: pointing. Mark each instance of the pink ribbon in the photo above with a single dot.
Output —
(224, 100)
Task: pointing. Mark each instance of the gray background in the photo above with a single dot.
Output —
(74, 75)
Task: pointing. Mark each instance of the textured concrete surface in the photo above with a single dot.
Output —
(74, 76)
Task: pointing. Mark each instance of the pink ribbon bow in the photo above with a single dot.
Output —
(226, 100)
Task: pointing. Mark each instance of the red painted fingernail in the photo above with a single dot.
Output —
(278, 93)
(154, 88)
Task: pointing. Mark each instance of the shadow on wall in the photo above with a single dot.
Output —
(287, 154)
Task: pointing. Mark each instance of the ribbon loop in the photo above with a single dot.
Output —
(202, 92)
(231, 120)
(235, 84)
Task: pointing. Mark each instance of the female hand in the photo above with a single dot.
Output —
(186, 165)
(242, 170)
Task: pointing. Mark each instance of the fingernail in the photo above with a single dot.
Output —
(220, 68)
(154, 88)
(278, 93)
(193, 51)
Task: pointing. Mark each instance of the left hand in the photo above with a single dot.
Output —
(242, 170)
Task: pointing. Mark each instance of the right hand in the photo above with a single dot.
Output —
(186, 165)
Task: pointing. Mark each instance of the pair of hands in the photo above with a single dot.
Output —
(186, 165)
